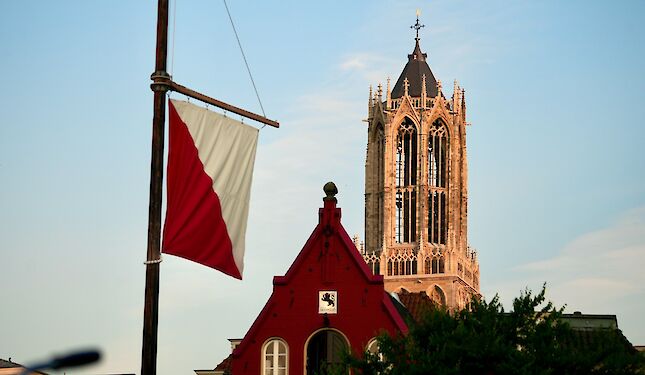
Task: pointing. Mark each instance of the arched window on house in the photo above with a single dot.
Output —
(438, 159)
(406, 181)
(373, 350)
(275, 357)
(372, 347)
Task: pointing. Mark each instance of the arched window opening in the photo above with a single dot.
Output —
(402, 264)
(373, 351)
(375, 266)
(438, 155)
(398, 230)
(437, 296)
(438, 265)
(437, 217)
(438, 158)
(380, 183)
(406, 216)
(372, 347)
(406, 154)
(406, 180)
(275, 357)
(427, 266)
(324, 352)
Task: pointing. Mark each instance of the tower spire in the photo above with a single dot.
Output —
(417, 26)
(416, 175)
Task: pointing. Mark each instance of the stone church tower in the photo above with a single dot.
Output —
(416, 193)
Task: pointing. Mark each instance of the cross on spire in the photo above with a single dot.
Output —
(417, 25)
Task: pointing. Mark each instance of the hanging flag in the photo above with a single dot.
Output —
(210, 167)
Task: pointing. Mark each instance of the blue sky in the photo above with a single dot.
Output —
(557, 183)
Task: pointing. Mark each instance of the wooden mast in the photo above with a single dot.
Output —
(151, 308)
(161, 84)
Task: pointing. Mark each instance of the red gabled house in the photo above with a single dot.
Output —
(327, 301)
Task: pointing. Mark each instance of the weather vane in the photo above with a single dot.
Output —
(417, 25)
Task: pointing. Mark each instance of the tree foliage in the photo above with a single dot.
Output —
(484, 339)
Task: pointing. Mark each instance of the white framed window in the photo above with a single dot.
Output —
(374, 351)
(372, 347)
(275, 357)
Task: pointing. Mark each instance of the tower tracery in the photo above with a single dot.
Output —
(416, 186)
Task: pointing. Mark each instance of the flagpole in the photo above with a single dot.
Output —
(159, 87)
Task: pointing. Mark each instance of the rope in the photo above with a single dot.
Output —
(156, 261)
(245, 62)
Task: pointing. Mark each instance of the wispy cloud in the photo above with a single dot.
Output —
(370, 67)
(597, 272)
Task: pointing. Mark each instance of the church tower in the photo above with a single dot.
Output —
(416, 193)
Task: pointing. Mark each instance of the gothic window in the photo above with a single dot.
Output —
(275, 357)
(406, 154)
(373, 263)
(438, 156)
(402, 263)
(406, 180)
(380, 180)
(437, 219)
(438, 265)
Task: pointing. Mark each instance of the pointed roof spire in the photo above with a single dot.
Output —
(414, 71)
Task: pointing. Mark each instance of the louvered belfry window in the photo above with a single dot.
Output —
(406, 181)
(438, 157)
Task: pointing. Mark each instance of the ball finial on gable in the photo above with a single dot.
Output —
(330, 191)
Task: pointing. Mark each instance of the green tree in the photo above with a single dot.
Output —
(484, 339)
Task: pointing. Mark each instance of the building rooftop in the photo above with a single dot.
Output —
(414, 70)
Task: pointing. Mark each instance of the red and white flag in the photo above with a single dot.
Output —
(210, 167)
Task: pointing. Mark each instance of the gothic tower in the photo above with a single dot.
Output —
(416, 193)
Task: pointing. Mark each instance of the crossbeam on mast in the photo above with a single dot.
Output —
(169, 84)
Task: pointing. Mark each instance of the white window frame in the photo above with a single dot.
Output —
(275, 368)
